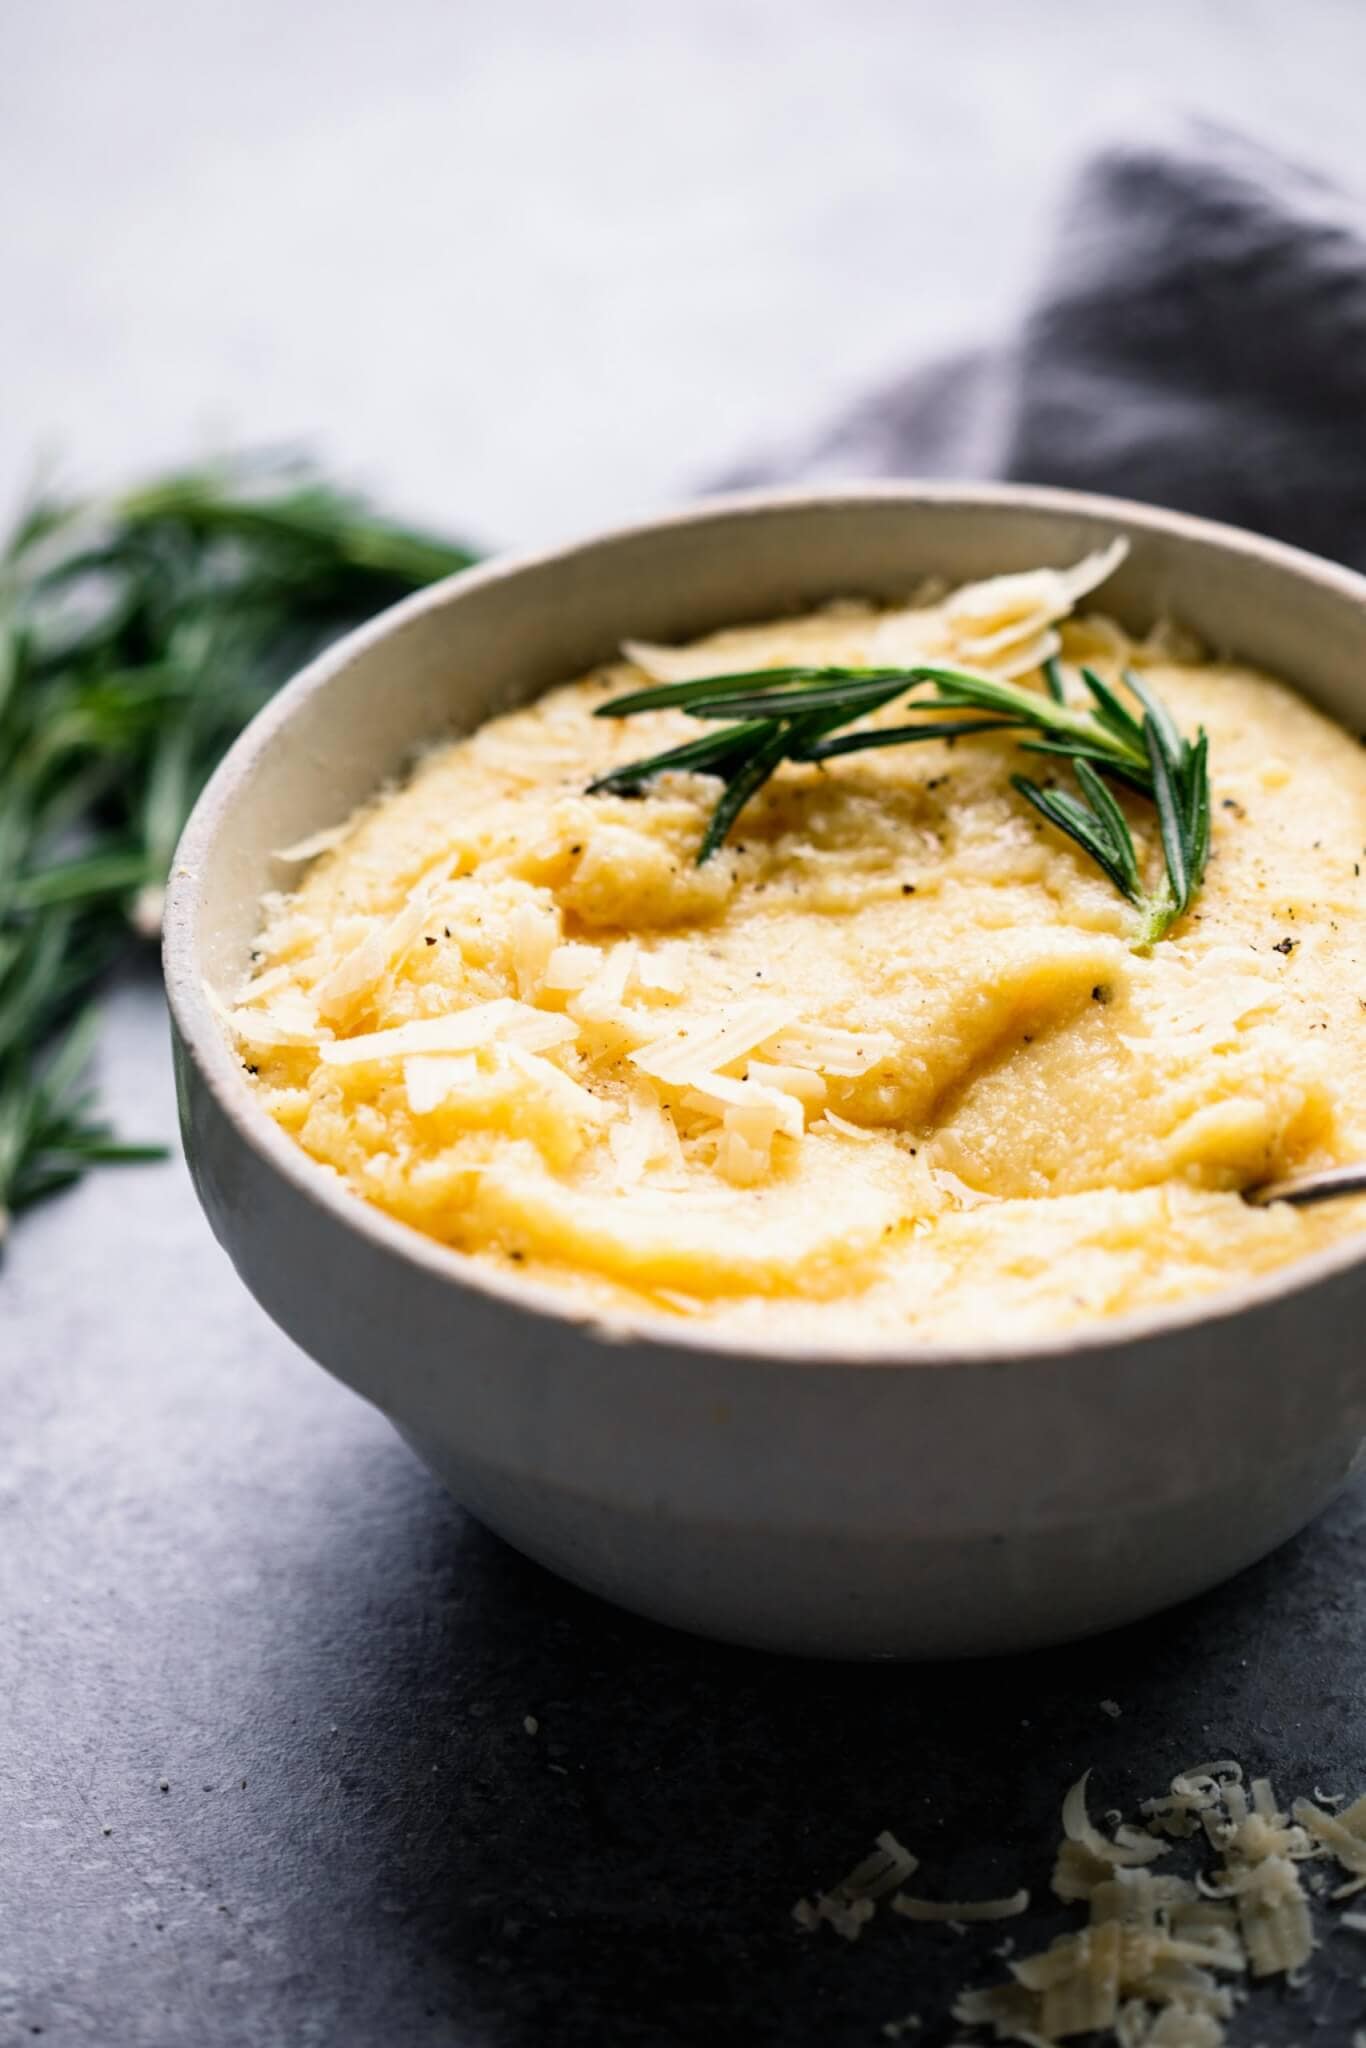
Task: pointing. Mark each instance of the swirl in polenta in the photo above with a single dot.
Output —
(889, 1063)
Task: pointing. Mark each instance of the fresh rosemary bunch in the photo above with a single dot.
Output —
(138, 635)
(768, 716)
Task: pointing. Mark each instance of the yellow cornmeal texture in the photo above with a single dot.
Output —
(911, 1076)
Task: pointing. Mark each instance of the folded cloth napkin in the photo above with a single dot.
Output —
(1197, 339)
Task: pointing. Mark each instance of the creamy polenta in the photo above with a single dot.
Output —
(890, 1061)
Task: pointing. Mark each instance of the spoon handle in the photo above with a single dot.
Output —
(1304, 1188)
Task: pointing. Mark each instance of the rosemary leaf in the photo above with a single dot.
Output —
(852, 699)
(751, 776)
(1114, 825)
(1157, 715)
(1081, 825)
(868, 737)
(1198, 809)
(1170, 818)
(85, 879)
(1111, 712)
(1134, 778)
(701, 689)
(713, 755)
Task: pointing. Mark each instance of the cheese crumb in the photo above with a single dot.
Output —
(850, 1905)
(956, 1912)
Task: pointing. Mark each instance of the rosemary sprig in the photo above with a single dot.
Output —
(137, 636)
(49, 1136)
(792, 714)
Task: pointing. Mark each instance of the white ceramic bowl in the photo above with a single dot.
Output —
(918, 1502)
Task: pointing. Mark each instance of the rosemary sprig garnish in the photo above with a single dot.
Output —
(794, 714)
(137, 637)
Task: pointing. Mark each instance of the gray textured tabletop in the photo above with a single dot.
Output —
(264, 1774)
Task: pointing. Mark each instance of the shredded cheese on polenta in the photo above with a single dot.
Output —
(887, 1046)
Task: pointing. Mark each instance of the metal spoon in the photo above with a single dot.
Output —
(1304, 1188)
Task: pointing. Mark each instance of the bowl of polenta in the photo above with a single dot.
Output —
(751, 1038)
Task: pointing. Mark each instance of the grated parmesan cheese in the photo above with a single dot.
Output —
(499, 1021)
(829, 1049)
(354, 979)
(270, 1030)
(846, 1130)
(436, 1081)
(660, 973)
(808, 1088)
(432, 1078)
(1009, 622)
(698, 1047)
(962, 1910)
(600, 999)
(1131, 1846)
(308, 849)
(1153, 1965)
(570, 967)
(260, 987)
(534, 933)
(850, 1905)
(1005, 624)
(553, 1081)
(646, 1137)
(1343, 1835)
(1273, 1916)
(758, 1113)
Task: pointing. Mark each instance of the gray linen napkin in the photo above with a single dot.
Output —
(1197, 339)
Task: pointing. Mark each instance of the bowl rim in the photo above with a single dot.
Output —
(200, 1031)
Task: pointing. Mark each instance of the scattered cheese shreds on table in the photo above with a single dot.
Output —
(950, 1910)
(849, 1905)
(1343, 1835)
(1131, 1847)
(1164, 1958)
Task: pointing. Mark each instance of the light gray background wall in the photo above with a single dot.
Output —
(532, 266)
